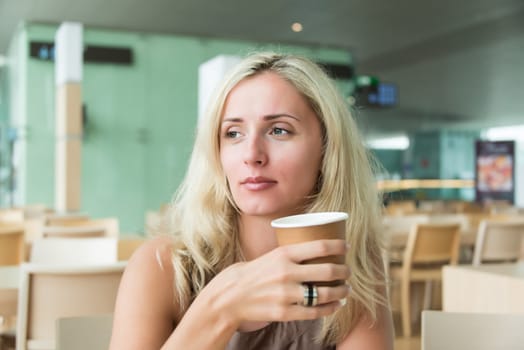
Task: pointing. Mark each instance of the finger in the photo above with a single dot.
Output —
(328, 295)
(325, 295)
(299, 252)
(321, 272)
(299, 312)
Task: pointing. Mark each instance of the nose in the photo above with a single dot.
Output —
(255, 153)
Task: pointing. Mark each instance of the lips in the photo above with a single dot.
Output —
(258, 183)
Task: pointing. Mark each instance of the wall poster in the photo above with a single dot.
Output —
(495, 171)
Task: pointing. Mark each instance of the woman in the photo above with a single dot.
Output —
(277, 140)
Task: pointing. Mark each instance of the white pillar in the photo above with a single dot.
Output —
(68, 125)
(210, 74)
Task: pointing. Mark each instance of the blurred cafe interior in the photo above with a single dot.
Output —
(99, 101)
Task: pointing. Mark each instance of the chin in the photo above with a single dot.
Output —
(272, 213)
(269, 207)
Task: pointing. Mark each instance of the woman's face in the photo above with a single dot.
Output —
(270, 146)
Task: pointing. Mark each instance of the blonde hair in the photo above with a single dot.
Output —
(203, 215)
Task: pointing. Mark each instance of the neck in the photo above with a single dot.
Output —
(256, 235)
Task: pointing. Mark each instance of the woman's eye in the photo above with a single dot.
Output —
(231, 134)
(279, 131)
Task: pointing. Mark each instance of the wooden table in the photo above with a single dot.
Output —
(493, 288)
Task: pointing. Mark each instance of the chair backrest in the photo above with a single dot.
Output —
(50, 292)
(127, 246)
(84, 332)
(100, 227)
(73, 231)
(99, 250)
(459, 331)
(433, 243)
(499, 241)
(12, 245)
(56, 219)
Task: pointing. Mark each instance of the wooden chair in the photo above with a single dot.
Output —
(499, 241)
(67, 251)
(460, 331)
(429, 247)
(393, 226)
(12, 245)
(127, 246)
(50, 292)
(84, 332)
(467, 236)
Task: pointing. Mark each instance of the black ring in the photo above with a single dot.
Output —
(310, 295)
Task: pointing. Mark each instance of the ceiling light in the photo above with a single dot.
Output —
(296, 27)
(515, 132)
(397, 142)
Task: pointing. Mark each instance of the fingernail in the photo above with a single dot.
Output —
(343, 302)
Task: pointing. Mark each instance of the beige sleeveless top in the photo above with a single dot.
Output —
(294, 335)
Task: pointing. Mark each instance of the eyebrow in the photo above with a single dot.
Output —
(266, 117)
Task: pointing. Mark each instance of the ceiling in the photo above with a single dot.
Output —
(457, 64)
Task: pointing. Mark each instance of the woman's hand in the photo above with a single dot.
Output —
(270, 288)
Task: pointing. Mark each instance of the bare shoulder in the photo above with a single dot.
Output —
(145, 300)
(371, 335)
(154, 254)
(151, 265)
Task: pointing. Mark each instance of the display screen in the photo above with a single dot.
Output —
(377, 95)
(495, 170)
